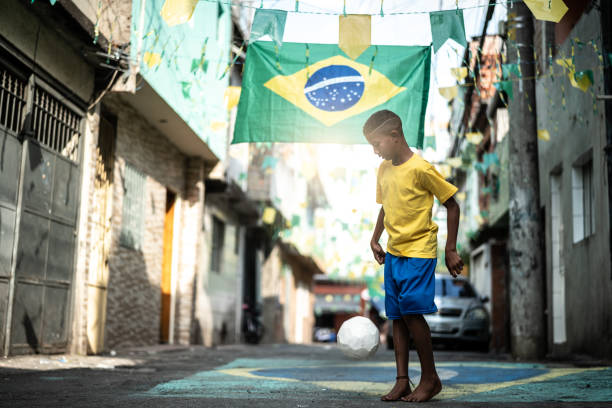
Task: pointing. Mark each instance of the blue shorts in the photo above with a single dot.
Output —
(410, 286)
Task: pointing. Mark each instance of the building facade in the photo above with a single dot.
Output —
(574, 185)
(103, 174)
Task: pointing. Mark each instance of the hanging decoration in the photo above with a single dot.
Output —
(200, 64)
(506, 87)
(231, 97)
(429, 142)
(449, 92)
(355, 34)
(151, 59)
(454, 162)
(459, 73)
(269, 215)
(474, 137)
(547, 10)
(175, 12)
(332, 103)
(269, 22)
(582, 80)
(447, 25)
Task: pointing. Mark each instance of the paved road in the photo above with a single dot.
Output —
(287, 376)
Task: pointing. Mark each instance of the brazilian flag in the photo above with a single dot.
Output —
(314, 93)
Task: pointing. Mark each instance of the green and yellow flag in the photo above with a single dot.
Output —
(314, 93)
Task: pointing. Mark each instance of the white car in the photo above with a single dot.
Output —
(461, 313)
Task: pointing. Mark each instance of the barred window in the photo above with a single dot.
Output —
(52, 120)
(12, 100)
(55, 125)
(132, 219)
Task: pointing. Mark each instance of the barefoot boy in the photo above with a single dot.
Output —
(406, 185)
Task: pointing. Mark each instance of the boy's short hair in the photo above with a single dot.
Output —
(383, 121)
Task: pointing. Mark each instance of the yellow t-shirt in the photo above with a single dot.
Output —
(406, 193)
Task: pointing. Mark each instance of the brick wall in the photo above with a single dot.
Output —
(134, 294)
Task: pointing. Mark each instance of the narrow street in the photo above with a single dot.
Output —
(288, 376)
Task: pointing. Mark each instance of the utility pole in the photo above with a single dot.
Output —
(527, 333)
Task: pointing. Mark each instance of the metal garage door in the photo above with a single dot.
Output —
(40, 134)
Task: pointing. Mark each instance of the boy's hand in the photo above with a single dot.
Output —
(454, 263)
(379, 254)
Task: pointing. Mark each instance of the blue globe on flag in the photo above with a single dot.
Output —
(334, 88)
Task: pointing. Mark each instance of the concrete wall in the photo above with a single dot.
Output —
(575, 128)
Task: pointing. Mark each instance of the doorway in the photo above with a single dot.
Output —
(166, 279)
(102, 211)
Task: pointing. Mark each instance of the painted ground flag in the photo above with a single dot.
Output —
(314, 93)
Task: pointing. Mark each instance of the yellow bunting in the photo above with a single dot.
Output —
(449, 92)
(303, 204)
(320, 223)
(454, 162)
(269, 215)
(231, 97)
(215, 126)
(543, 134)
(175, 12)
(308, 170)
(474, 137)
(355, 34)
(582, 82)
(459, 73)
(566, 63)
(444, 170)
(152, 59)
(547, 10)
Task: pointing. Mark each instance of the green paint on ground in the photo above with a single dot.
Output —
(313, 380)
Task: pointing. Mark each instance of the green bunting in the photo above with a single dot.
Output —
(429, 141)
(295, 220)
(447, 25)
(505, 86)
(270, 22)
(508, 69)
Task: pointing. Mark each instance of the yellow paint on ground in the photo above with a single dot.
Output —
(448, 392)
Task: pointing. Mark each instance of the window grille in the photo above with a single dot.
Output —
(55, 125)
(12, 101)
(132, 219)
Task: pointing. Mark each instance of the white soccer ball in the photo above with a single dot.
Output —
(358, 338)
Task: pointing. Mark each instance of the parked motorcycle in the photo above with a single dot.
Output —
(252, 326)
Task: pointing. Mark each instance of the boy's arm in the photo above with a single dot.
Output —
(453, 260)
(379, 253)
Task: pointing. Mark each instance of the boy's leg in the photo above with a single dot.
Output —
(430, 384)
(401, 338)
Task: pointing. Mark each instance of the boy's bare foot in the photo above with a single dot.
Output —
(425, 391)
(399, 390)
